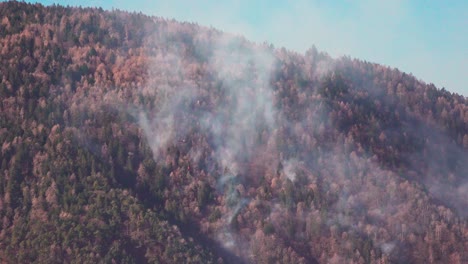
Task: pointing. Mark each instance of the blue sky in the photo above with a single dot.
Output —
(426, 38)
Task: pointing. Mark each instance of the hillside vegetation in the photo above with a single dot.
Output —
(127, 138)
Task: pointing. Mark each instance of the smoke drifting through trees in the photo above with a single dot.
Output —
(246, 118)
(151, 140)
(237, 124)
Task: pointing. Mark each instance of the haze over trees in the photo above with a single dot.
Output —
(127, 138)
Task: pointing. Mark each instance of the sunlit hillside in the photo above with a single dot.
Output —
(127, 138)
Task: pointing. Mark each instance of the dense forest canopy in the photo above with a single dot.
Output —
(127, 138)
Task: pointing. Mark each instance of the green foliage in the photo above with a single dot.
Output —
(215, 215)
(333, 87)
(268, 229)
(204, 194)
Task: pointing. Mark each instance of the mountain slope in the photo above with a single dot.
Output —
(136, 139)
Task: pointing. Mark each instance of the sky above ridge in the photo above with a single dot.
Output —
(426, 38)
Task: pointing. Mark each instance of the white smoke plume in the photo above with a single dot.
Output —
(241, 73)
(244, 75)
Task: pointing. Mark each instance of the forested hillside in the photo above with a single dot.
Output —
(127, 138)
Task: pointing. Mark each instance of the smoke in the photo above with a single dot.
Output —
(237, 118)
(289, 169)
(244, 80)
(227, 186)
(245, 113)
(387, 248)
(244, 109)
(240, 117)
(169, 123)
